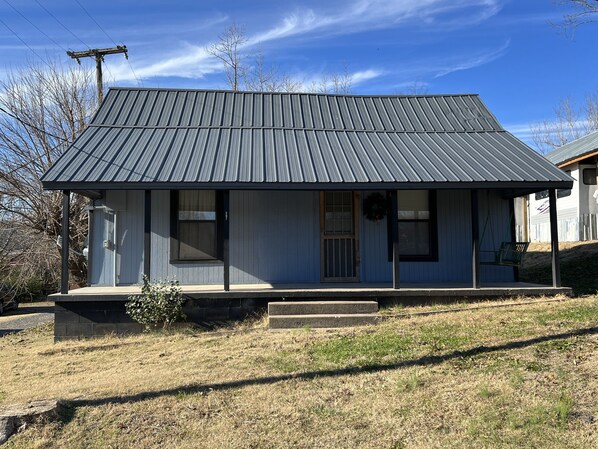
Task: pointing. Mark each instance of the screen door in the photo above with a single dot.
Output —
(339, 242)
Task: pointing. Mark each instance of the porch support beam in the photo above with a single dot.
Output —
(147, 233)
(394, 234)
(475, 239)
(514, 238)
(554, 239)
(64, 276)
(225, 238)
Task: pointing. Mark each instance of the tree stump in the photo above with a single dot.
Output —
(17, 416)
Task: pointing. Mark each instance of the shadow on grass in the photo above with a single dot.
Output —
(579, 268)
(422, 361)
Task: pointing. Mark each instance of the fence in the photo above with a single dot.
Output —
(575, 229)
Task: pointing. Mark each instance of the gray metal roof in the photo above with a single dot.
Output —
(578, 148)
(161, 138)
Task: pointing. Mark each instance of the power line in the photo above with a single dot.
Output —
(32, 24)
(94, 21)
(25, 43)
(110, 38)
(31, 125)
(67, 29)
(60, 23)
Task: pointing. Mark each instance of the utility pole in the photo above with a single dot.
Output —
(99, 54)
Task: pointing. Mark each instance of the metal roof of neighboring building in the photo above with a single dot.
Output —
(168, 138)
(584, 146)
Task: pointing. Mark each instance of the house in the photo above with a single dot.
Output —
(577, 207)
(244, 197)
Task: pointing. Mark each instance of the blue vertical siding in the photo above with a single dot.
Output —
(275, 238)
(129, 244)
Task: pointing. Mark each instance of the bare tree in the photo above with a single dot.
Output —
(570, 123)
(263, 78)
(42, 111)
(260, 76)
(334, 83)
(414, 88)
(583, 11)
(227, 50)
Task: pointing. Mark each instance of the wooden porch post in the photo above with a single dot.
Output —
(147, 233)
(225, 239)
(475, 239)
(394, 223)
(64, 276)
(554, 239)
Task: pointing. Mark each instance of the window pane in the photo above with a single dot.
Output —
(197, 205)
(561, 193)
(414, 238)
(589, 176)
(339, 213)
(414, 205)
(197, 225)
(197, 240)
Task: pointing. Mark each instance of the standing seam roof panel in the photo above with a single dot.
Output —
(151, 135)
(179, 169)
(90, 162)
(462, 159)
(436, 159)
(414, 155)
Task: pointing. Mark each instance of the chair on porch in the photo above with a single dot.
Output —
(509, 254)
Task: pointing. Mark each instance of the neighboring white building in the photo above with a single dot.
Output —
(577, 208)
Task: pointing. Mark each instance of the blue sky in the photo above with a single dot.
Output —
(505, 50)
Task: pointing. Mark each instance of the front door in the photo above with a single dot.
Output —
(339, 236)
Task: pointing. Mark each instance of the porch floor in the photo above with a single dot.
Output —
(324, 290)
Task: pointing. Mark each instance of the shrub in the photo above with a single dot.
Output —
(160, 303)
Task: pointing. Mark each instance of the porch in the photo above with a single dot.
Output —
(381, 291)
(95, 311)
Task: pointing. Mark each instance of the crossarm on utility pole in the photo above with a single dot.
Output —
(98, 54)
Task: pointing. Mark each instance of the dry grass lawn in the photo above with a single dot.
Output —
(517, 376)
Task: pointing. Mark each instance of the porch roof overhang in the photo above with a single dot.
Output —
(173, 139)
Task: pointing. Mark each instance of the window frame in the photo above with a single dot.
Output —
(432, 221)
(175, 230)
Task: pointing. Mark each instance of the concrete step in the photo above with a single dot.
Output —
(321, 307)
(321, 321)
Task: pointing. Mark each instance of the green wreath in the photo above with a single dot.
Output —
(375, 207)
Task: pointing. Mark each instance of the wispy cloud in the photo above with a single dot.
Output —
(371, 14)
(473, 61)
(192, 61)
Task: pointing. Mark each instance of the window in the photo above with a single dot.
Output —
(417, 225)
(194, 225)
(589, 176)
(560, 193)
(541, 195)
